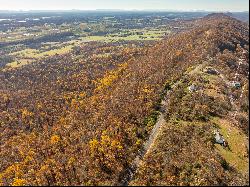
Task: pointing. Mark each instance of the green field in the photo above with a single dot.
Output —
(27, 54)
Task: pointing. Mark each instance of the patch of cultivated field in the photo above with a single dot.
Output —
(19, 63)
(34, 53)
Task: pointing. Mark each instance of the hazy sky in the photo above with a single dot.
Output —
(214, 5)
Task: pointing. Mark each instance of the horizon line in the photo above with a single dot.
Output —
(160, 10)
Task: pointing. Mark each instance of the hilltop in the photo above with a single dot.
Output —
(92, 125)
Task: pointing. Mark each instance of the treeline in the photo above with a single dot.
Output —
(56, 37)
(5, 59)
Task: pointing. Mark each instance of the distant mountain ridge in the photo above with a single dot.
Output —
(243, 16)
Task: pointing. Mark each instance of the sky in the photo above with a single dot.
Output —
(210, 5)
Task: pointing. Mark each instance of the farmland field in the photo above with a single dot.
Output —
(26, 39)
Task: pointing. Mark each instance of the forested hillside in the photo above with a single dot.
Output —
(84, 121)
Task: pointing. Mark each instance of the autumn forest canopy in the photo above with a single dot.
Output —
(124, 99)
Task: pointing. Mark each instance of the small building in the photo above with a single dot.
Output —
(235, 84)
(219, 139)
(193, 88)
(212, 71)
(241, 61)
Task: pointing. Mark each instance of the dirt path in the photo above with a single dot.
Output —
(130, 172)
(146, 147)
(154, 133)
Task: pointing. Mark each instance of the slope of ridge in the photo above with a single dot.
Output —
(135, 94)
(185, 152)
(101, 135)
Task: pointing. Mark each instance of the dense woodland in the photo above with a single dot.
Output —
(81, 121)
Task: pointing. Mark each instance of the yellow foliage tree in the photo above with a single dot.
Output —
(19, 182)
(54, 139)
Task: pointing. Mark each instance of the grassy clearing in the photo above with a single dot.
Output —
(19, 63)
(27, 56)
(236, 155)
(116, 38)
(35, 54)
(146, 35)
(104, 55)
